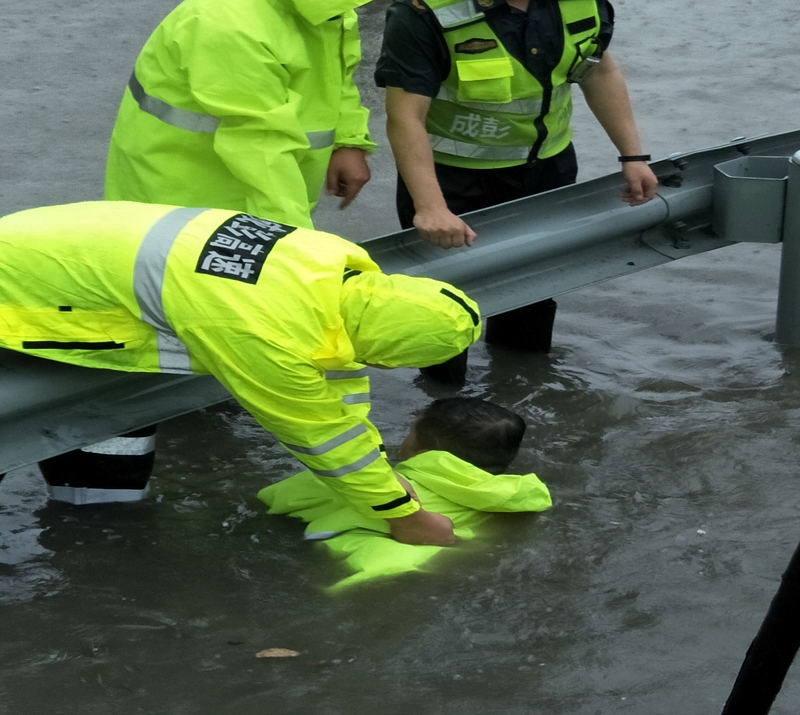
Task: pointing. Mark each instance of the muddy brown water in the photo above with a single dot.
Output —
(665, 421)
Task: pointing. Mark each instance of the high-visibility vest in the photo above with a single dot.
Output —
(256, 303)
(490, 111)
(239, 105)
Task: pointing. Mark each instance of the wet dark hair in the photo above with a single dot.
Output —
(477, 431)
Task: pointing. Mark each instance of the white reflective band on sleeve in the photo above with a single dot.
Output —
(320, 140)
(476, 151)
(127, 446)
(345, 374)
(531, 107)
(366, 460)
(148, 281)
(458, 14)
(323, 535)
(174, 116)
(333, 443)
(87, 495)
(357, 398)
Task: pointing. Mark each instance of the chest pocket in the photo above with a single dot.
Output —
(486, 80)
(67, 328)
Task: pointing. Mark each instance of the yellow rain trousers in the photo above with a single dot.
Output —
(444, 484)
(238, 104)
(257, 304)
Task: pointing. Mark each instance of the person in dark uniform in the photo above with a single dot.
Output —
(478, 104)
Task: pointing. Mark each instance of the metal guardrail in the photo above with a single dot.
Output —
(552, 243)
(528, 250)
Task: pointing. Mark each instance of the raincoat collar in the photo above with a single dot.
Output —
(469, 486)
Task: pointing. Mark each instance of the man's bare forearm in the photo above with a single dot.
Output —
(606, 94)
(405, 128)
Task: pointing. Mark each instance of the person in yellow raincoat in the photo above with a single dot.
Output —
(451, 462)
(247, 105)
(285, 318)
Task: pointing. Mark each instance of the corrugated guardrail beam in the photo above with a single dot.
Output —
(556, 242)
(528, 250)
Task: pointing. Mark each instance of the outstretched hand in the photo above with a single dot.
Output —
(642, 183)
(347, 173)
(443, 228)
(423, 527)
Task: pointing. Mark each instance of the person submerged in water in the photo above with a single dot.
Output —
(452, 459)
(478, 431)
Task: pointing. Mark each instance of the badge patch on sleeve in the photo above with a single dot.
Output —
(239, 247)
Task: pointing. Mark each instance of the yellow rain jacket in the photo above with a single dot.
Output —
(444, 484)
(238, 104)
(257, 304)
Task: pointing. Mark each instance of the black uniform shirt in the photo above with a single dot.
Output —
(415, 57)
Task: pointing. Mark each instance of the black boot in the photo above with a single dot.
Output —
(117, 469)
(450, 372)
(528, 328)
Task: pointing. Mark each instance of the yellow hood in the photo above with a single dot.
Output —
(404, 321)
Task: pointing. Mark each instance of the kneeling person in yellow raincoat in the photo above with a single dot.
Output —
(286, 318)
(451, 463)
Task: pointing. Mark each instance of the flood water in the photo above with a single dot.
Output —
(665, 421)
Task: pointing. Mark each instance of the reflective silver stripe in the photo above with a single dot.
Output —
(555, 140)
(320, 140)
(476, 151)
(199, 122)
(345, 374)
(148, 280)
(91, 495)
(127, 446)
(357, 398)
(367, 459)
(515, 106)
(494, 153)
(561, 93)
(331, 444)
(458, 14)
(174, 116)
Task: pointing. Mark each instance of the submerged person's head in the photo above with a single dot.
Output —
(405, 321)
(477, 431)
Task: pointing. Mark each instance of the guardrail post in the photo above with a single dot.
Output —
(787, 327)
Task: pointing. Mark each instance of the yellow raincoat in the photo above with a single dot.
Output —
(444, 484)
(267, 308)
(238, 104)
